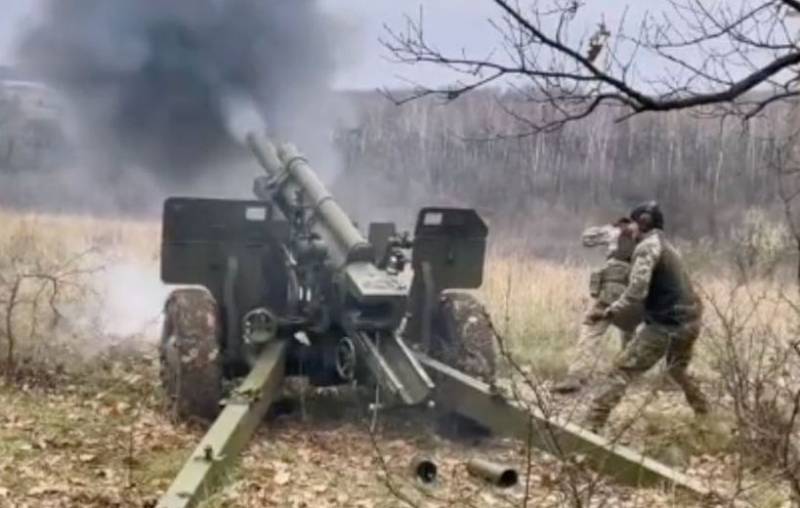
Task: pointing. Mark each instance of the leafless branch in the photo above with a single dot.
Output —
(736, 51)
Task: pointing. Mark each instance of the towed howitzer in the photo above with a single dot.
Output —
(286, 285)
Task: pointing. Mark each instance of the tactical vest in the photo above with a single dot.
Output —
(671, 299)
(608, 283)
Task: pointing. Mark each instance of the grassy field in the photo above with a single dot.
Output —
(104, 420)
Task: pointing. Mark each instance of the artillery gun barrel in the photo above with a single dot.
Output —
(286, 166)
(375, 301)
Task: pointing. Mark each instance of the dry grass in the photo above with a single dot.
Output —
(58, 236)
(54, 283)
(537, 305)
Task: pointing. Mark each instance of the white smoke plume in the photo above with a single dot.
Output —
(133, 298)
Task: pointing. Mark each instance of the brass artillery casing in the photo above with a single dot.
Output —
(498, 474)
(424, 468)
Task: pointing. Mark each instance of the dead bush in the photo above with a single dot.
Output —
(39, 277)
(754, 353)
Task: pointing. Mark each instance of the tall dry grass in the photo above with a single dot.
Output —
(56, 236)
(54, 285)
(536, 304)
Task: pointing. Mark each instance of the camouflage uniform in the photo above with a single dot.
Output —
(673, 315)
(606, 285)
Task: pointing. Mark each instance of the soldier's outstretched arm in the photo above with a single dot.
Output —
(597, 235)
(645, 258)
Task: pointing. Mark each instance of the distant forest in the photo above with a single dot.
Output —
(705, 171)
(394, 159)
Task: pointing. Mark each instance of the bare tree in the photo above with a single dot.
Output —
(728, 57)
(32, 293)
(785, 163)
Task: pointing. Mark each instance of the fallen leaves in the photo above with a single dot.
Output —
(112, 445)
(282, 478)
(72, 447)
(48, 489)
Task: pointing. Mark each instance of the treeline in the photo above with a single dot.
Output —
(705, 170)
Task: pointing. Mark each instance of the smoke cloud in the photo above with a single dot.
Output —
(150, 83)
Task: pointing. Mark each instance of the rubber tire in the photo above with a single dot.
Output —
(191, 363)
(464, 337)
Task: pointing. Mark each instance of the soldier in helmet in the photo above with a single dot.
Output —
(672, 318)
(605, 286)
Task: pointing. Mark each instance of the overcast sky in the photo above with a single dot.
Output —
(15, 13)
(451, 24)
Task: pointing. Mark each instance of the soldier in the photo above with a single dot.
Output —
(605, 286)
(672, 318)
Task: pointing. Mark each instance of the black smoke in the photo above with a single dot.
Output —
(148, 80)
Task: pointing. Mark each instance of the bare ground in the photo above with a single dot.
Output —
(106, 439)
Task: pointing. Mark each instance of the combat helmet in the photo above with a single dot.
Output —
(651, 208)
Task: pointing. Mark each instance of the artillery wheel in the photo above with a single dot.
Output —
(464, 337)
(191, 370)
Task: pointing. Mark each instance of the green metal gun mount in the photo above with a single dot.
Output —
(286, 285)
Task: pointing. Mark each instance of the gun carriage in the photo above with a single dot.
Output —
(286, 285)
